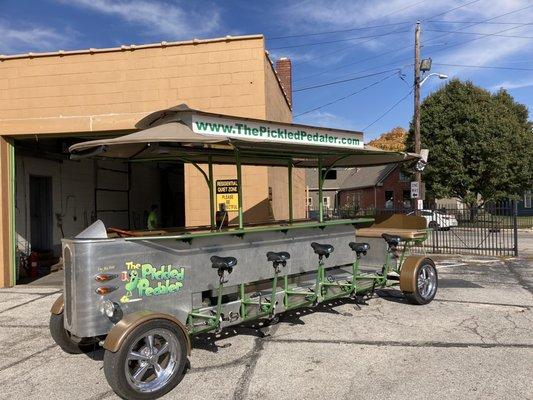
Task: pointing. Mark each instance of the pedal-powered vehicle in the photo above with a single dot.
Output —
(143, 295)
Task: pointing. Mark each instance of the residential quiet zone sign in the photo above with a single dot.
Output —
(227, 193)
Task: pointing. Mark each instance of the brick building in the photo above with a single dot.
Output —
(379, 188)
(49, 101)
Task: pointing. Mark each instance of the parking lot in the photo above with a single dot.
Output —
(474, 341)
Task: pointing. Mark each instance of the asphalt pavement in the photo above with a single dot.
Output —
(473, 341)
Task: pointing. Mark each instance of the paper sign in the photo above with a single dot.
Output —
(228, 193)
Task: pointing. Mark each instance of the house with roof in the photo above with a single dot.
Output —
(369, 188)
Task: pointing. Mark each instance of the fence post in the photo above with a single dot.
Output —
(515, 227)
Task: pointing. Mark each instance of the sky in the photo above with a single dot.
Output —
(489, 42)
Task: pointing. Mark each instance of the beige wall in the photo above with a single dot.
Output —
(113, 90)
(276, 109)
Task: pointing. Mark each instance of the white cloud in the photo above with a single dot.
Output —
(325, 119)
(171, 19)
(32, 38)
(518, 84)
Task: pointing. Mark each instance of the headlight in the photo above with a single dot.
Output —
(111, 309)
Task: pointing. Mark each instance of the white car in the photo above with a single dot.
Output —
(438, 219)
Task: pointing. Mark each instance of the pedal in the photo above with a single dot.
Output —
(232, 317)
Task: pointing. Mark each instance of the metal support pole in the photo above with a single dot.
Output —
(515, 227)
(290, 190)
(320, 184)
(239, 187)
(416, 116)
(211, 193)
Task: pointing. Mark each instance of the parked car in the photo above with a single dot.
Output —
(438, 219)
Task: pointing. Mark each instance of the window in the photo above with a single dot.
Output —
(309, 202)
(406, 200)
(389, 199)
(404, 177)
(325, 201)
(527, 199)
(329, 175)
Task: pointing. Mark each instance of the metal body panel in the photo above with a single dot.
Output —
(191, 262)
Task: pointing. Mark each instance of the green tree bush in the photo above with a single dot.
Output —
(480, 144)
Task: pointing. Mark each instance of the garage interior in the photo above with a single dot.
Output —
(56, 197)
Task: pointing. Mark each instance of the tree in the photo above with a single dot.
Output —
(480, 144)
(394, 140)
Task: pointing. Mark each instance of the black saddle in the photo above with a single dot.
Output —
(278, 257)
(223, 263)
(322, 249)
(359, 247)
(392, 240)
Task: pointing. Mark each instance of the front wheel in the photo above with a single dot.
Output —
(433, 225)
(150, 362)
(419, 280)
(67, 342)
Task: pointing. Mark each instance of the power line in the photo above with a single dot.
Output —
(379, 55)
(478, 33)
(474, 39)
(484, 66)
(453, 9)
(344, 80)
(357, 28)
(338, 31)
(338, 40)
(480, 22)
(388, 110)
(345, 97)
(365, 41)
(409, 46)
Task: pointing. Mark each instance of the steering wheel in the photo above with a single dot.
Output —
(121, 232)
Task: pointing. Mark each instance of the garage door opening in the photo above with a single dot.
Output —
(56, 197)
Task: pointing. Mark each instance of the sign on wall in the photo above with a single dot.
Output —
(275, 132)
(227, 192)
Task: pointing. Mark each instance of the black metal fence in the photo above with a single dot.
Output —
(488, 230)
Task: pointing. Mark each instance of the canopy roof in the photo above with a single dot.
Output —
(181, 133)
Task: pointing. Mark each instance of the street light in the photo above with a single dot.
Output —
(441, 76)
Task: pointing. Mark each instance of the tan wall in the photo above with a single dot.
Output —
(278, 110)
(110, 91)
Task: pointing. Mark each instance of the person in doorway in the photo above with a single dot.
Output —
(152, 223)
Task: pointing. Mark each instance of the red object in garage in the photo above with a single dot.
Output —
(34, 264)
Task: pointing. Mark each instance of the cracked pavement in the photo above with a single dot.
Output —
(474, 340)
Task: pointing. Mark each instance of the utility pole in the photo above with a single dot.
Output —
(416, 117)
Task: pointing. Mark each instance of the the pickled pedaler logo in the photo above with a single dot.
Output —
(144, 280)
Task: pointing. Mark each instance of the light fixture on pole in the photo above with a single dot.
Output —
(440, 76)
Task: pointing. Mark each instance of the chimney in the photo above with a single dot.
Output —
(284, 71)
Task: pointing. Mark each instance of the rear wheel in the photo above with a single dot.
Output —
(424, 283)
(68, 343)
(150, 362)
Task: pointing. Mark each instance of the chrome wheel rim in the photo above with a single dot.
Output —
(152, 360)
(427, 281)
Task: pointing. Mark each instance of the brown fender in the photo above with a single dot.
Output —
(126, 325)
(408, 272)
(58, 306)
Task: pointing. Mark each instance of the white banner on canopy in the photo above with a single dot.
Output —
(275, 132)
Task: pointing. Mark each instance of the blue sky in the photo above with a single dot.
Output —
(377, 39)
